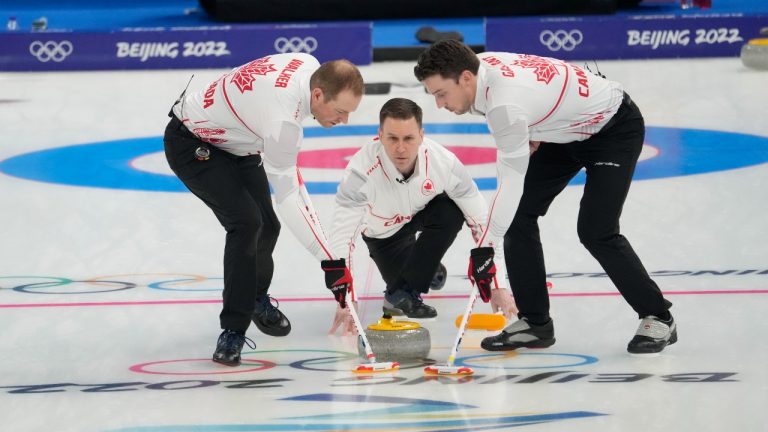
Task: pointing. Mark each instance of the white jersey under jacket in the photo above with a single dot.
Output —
(258, 108)
(373, 199)
(529, 98)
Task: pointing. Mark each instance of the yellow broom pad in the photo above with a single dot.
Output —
(479, 321)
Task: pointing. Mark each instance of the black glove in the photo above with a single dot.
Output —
(338, 279)
(482, 270)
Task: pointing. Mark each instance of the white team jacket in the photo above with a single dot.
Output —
(372, 197)
(258, 108)
(529, 98)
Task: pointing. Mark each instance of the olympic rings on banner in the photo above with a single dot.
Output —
(561, 40)
(295, 44)
(51, 50)
(465, 361)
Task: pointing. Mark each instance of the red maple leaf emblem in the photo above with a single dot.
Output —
(244, 77)
(427, 187)
(206, 132)
(543, 68)
(209, 135)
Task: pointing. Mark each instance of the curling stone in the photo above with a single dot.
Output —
(754, 54)
(396, 340)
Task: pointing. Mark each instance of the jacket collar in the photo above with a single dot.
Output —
(480, 107)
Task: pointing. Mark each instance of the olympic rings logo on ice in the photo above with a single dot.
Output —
(51, 50)
(296, 44)
(561, 40)
(111, 283)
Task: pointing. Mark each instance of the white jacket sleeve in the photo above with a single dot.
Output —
(510, 131)
(281, 148)
(351, 202)
(466, 195)
(463, 191)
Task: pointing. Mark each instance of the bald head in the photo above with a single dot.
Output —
(335, 76)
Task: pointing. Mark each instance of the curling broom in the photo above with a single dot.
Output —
(448, 368)
(372, 365)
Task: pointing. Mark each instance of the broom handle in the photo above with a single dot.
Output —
(464, 321)
(308, 202)
(363, 338)
(463, 326)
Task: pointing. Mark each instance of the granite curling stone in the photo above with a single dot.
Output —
(396, 341)
(754, 54)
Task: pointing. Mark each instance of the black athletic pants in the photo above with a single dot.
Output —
(609, 158)
(403, 259)
(237, 190)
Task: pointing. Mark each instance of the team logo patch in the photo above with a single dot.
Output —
(428, 188)
(543, 68)
(244, 77)
(210, 135)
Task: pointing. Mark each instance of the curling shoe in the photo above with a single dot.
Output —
(438, 280)
(653, 335)
(521, 334)
(228, 347)
(408, 303)
(269, 319)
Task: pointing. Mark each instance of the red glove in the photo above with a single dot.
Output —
(482, 270)
(338, 279)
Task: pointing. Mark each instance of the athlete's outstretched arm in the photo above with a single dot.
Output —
(281, 148)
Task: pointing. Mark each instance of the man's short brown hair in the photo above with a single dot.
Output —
(333, 77)
(401, 109)
(448, 58)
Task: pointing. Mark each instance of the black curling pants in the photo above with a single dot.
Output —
(609, 157)
(404, 259)
(237, 190)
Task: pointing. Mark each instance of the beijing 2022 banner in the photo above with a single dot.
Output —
(624, 37)
(203, 47)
